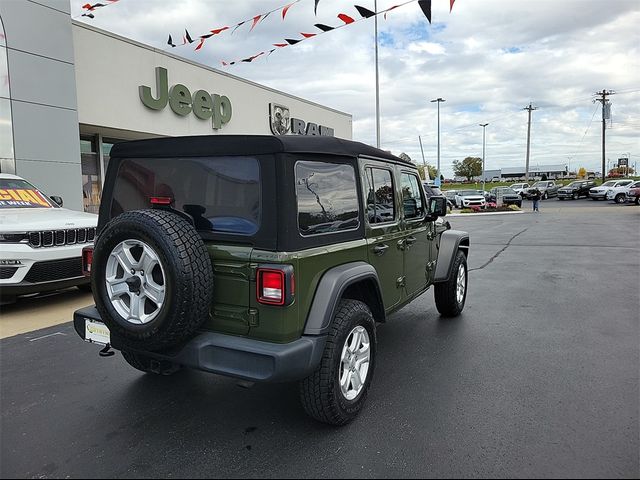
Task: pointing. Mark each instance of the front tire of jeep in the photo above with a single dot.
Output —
(152, 279)
(149, 365)
(336, 392)
(451, 295)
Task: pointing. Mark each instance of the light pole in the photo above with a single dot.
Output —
(484, 130)
(438, 101)
(377, 78)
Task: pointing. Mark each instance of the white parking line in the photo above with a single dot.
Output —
(47, 336)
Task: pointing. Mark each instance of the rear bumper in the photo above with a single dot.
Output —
(232, 356)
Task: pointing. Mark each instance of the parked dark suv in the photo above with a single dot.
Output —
(267, 259)
(575, 190)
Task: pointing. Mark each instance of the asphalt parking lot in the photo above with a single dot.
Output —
(538, 378)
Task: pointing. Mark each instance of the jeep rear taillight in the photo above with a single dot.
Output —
(161, 201)
(87, 260)
(275, 285)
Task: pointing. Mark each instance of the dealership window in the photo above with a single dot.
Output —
(107, 145)
(91, 181)
(7, 159)
(327, 198)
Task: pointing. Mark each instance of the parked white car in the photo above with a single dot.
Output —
(40, 242)
(519, 187)
(600, 193)
(620, 193)
(470, 198)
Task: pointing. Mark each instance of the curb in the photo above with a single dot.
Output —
(483, 214)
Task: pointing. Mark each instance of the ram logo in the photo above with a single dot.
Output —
(280, 119)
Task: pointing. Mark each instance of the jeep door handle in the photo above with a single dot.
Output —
(410, 240)
(380, 249)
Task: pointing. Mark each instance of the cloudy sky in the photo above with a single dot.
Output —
(488, 59)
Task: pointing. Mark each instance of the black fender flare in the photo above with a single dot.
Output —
(332, 285)
(450, 242)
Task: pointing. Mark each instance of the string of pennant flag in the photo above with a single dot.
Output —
(425, 6)
(89, 8)
(365, 13)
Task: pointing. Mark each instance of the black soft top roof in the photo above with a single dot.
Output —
(210, 145)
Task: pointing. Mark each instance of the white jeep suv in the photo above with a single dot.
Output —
(600, 193)
(40, 242)
(619, 194)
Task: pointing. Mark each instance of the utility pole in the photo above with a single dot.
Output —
(484, 130)
(424, 162)
(530, 108)
(438, 101)
(605, 103)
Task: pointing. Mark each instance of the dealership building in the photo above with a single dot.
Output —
(69, 92)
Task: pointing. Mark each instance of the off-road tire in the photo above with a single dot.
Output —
(575, 196)
(149, 365)
(445, 293)
(320, 393)
(620, 198)
(188, 272)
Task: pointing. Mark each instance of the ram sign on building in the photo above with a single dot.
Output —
(69, 91)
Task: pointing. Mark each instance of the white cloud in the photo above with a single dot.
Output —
(487, 58)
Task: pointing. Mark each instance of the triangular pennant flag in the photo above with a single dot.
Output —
(271, 51)
(291, 41)
(346, 18)
(237, 27)
(170, 42)
(187, 36)
(451, 3)
(425, 5)
(90, 15)
(324, 28)
(280, 45)
(251, 59)
(256, 19)
(389, 9)
(200, 44)
(308, 35)
(219, 30)
(364, 12)
(315, 8)
(286, 9)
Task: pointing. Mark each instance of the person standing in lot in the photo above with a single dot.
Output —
(535, 196)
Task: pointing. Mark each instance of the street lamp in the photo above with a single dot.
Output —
(484, 130)
(438, 101)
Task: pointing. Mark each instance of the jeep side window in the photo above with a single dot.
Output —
(380, 197)
(411, 197)
(327, 198)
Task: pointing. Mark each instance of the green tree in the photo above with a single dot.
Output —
(469, 167)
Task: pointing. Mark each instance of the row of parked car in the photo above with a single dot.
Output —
(619, 191)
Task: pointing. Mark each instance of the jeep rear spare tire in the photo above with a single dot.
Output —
(152, 279)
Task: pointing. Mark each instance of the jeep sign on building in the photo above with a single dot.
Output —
(71, 91)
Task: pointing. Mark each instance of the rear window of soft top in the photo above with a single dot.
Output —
(221, 194)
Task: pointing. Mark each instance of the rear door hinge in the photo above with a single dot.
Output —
(252, 317)
(400, 282)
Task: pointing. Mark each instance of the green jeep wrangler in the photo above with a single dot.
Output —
(268, 259)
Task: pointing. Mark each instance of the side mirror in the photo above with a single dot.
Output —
(437, 207)
(57, 200)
